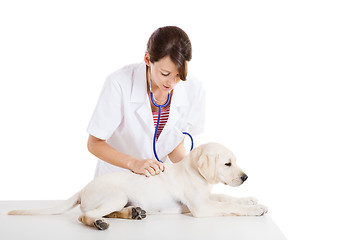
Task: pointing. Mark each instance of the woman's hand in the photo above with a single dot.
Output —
(148, 167)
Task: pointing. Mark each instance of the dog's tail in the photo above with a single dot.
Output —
(63, 207)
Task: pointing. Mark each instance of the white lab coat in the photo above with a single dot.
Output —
(123, 115)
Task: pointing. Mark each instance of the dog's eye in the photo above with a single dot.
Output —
(228, 164)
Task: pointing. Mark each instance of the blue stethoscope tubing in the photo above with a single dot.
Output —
(156, 128)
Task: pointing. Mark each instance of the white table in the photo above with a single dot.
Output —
(164, 227)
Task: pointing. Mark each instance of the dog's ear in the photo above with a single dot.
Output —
(207, 167)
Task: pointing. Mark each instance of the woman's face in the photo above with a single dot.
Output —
(164, 74)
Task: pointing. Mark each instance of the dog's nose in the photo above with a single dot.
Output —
(244, 177)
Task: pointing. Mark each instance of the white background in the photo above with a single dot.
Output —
(274, 72)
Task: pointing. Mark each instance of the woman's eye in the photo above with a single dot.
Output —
(228, 164)
(165, 74)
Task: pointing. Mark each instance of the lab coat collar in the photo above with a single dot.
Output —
(139, 89)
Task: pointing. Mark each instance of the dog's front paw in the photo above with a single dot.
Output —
(261, 210)
(255, 210)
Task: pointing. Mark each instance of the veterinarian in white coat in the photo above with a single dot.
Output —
(122, 127)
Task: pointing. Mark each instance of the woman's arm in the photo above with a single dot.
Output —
(105, 152)
(178, 153)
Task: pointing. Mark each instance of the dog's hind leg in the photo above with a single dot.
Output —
(94, 217)
(128, 213)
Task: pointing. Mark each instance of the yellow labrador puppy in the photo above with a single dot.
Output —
(183, 187)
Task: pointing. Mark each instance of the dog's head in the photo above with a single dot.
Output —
(217, 164)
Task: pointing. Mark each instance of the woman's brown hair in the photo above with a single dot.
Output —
(173, 42)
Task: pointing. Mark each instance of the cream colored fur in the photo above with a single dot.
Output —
(182, 187)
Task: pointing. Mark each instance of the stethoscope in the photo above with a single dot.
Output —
(157, 126)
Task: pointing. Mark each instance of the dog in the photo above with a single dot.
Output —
(185, 186)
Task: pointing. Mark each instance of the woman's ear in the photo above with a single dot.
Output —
(147, 59)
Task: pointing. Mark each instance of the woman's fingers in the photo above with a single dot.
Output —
(151, 171)
(155, 167)
(146, 173)
(161, 166)
(148, 167)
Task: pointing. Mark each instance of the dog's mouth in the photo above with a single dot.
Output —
(228, 183)
(236, 183)
(233, 183)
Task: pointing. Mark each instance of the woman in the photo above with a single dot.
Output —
(122, 126)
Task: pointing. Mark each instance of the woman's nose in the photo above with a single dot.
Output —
(173, 81)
